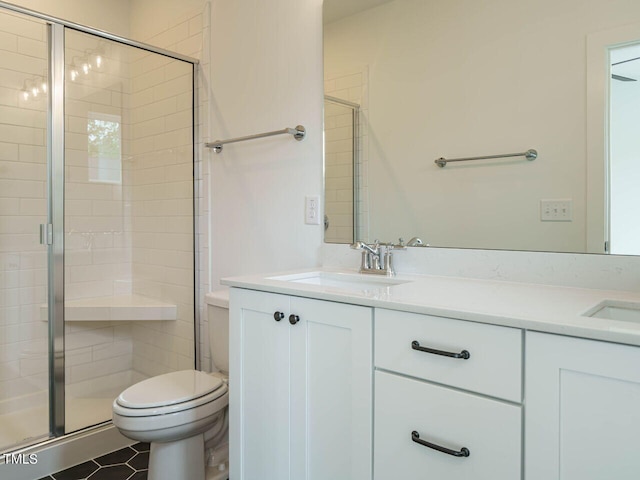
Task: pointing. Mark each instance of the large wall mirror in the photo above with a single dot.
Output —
(410, 81)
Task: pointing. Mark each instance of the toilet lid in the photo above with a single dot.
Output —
(169, 389)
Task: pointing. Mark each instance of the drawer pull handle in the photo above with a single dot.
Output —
(464, 452)
(293, 319)
(464, 354)
(277, 316)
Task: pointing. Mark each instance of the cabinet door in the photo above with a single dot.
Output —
(336, 399)
(582, 409)
(259, 410)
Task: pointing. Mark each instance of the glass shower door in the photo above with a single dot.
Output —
(341, 164)
(97, 236)
(24, 395)
(128, 215)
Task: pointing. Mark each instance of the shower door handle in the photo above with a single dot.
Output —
(46, 234)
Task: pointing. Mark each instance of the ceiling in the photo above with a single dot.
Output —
(337, 9)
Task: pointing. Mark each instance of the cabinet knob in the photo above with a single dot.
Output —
(293, 319)
(277, 316)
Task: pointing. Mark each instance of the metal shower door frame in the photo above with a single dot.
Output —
(55, 218)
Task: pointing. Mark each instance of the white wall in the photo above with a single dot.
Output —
(266, 75)
(454, 78)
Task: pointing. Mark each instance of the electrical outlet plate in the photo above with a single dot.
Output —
(312, 210)
(560, 210)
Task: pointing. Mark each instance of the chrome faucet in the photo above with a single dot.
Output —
(377, 258)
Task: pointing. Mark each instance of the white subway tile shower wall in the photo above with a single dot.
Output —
(162, 264)
(338, 168)
(162, 200)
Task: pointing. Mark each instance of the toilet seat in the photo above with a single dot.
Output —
(169, 393)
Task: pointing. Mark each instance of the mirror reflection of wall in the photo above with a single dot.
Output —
(456, 78)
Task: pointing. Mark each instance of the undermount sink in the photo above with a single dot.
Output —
(343, 281)
(616, 310)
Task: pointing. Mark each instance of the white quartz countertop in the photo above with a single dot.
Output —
(542, 308)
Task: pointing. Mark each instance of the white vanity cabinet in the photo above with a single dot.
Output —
(453, 398)
(301, 388)
(582, 411)
(423, 426)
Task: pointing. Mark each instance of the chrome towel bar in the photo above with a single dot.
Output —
(530, 154)
(298, 133)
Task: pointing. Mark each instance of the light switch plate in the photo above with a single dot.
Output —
(560, 210)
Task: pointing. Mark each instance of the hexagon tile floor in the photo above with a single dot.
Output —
(130, 463)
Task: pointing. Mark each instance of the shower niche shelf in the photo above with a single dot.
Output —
(118, 308)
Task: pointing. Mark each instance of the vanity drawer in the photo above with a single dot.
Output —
(490, 430)
(494, 366)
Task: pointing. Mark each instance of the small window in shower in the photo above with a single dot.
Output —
(105, 148)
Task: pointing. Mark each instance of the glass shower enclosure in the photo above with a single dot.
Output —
(345, 197)
(97, 231)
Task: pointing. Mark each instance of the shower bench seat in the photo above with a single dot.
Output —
(115, 308)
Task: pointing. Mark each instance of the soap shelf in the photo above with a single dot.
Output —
(115, 308)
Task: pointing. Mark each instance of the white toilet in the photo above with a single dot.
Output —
(179, 413)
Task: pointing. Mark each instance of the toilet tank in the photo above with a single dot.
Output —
(218, 316)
